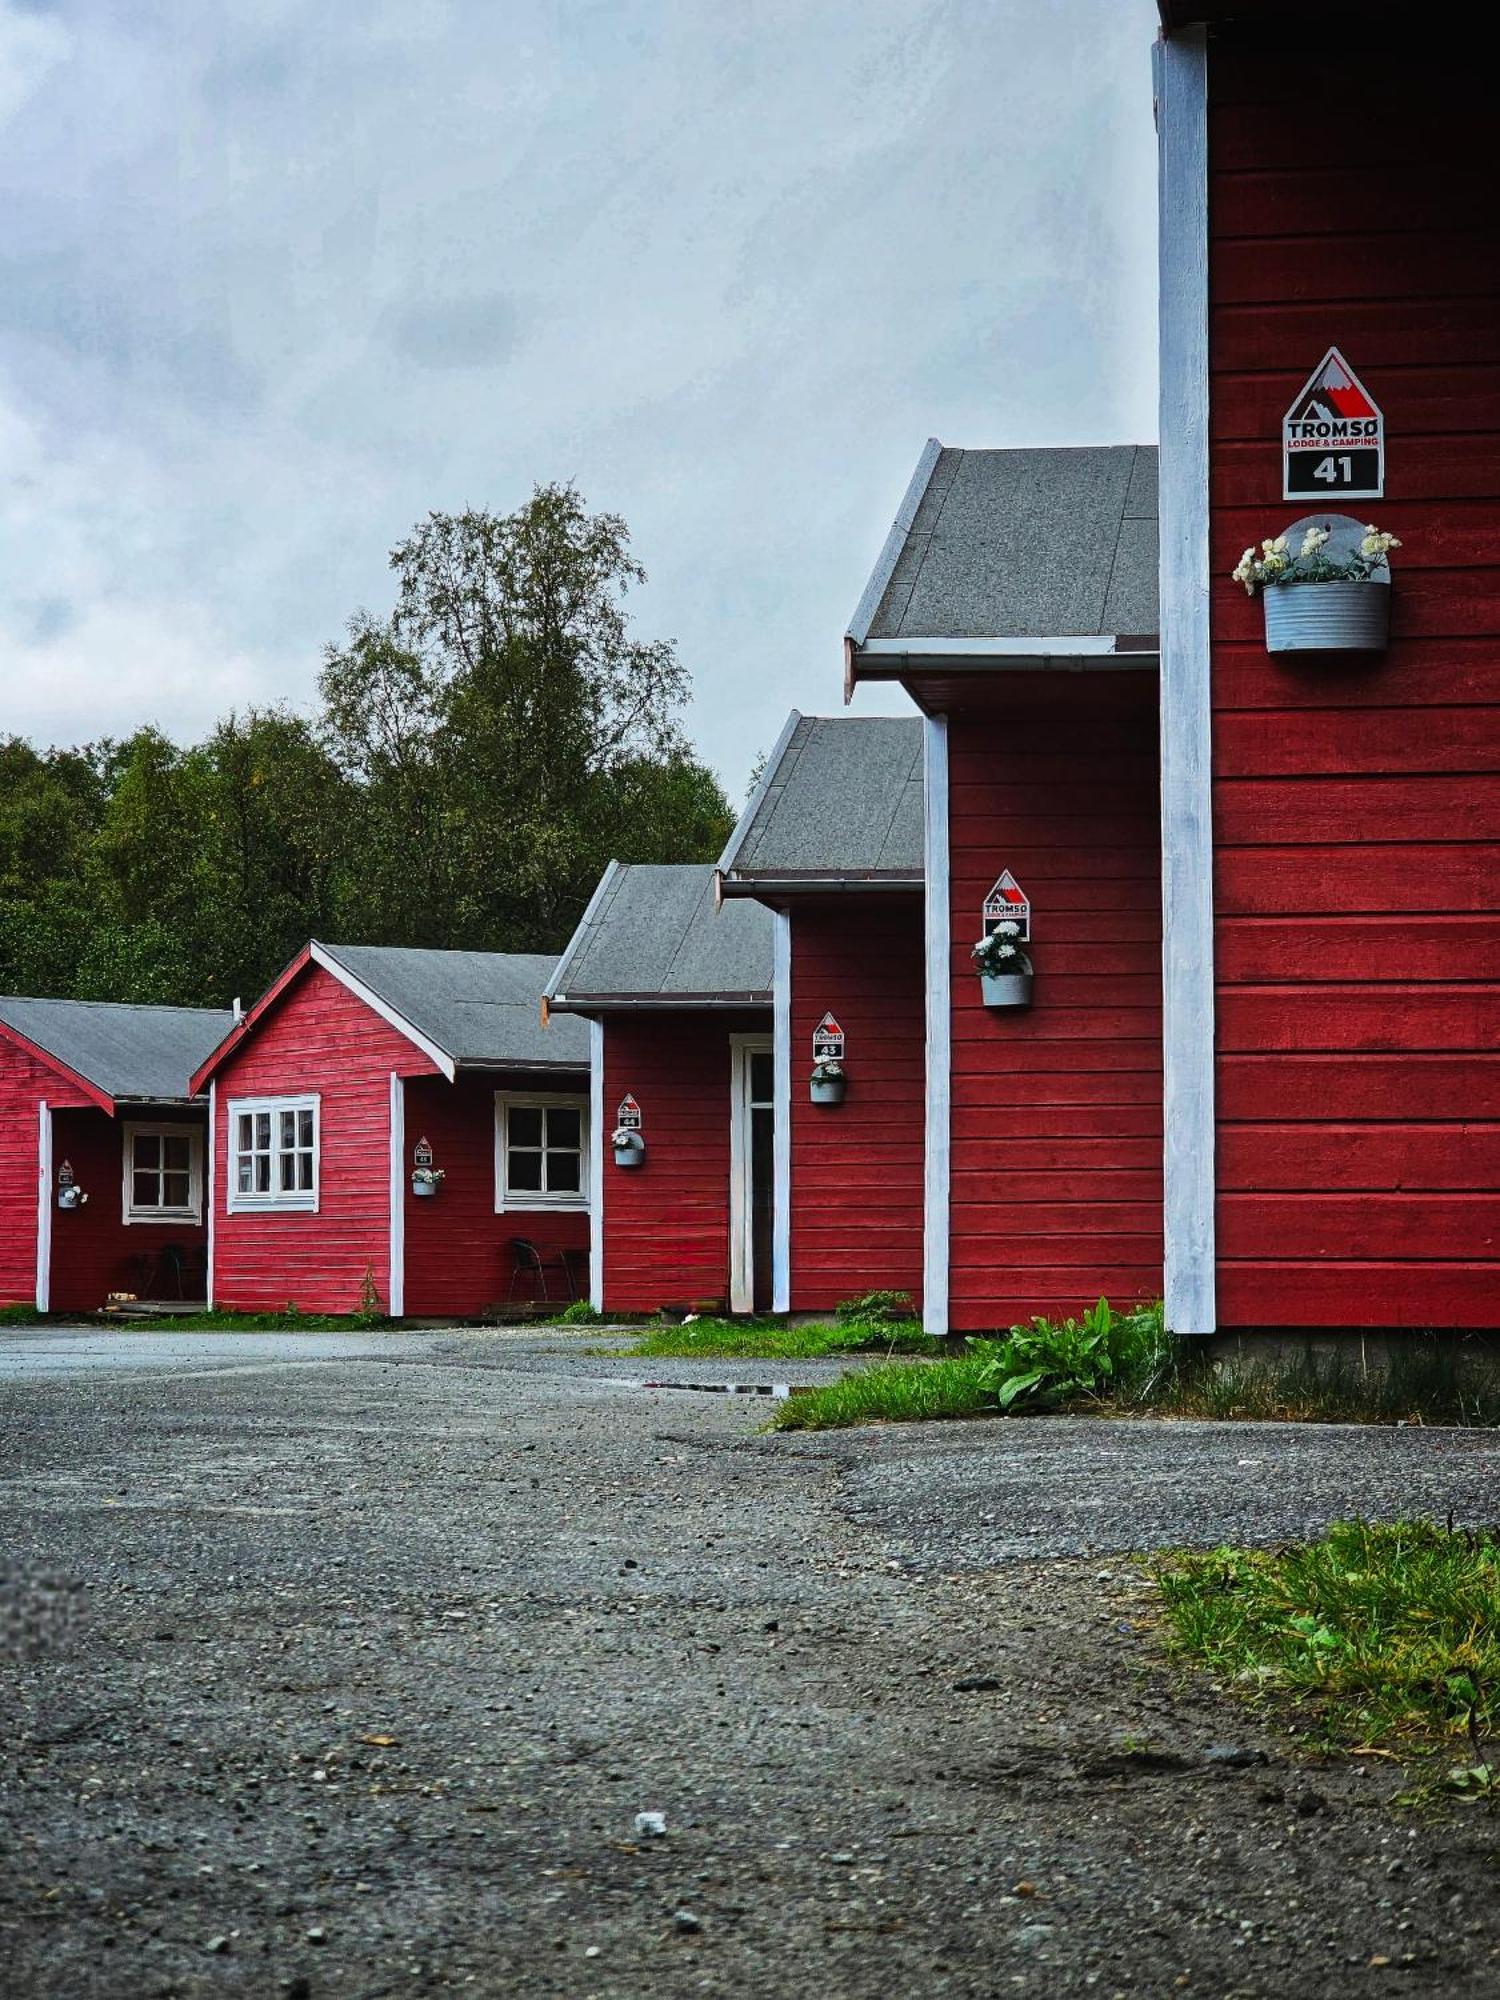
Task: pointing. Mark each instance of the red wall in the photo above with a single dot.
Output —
(318, 1038)
(666, 1223)
(94, 1251)
(857, 1167)
(458, 1255)
(1357, 803)
(24, 1083)
(1057, 1124)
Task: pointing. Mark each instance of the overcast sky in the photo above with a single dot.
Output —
(277, 278)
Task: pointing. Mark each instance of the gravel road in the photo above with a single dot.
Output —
(343, 1665)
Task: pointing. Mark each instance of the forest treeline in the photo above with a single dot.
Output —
(478, 754)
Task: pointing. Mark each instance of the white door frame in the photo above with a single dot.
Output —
(44, 1207)
(741, 1184)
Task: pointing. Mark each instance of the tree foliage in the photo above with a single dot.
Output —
(479, 754)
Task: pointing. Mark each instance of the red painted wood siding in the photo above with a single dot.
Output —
(320, 1038)
(857, 1166)
(24, 1084)
(1057, 1124)
(458, 1254)
(1356, 804)
(94, 1250)
(666, 1223)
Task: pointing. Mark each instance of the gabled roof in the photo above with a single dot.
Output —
(119, 1052)
(653, 937)
(1027, 556)
(462, 1009)
(839, 805)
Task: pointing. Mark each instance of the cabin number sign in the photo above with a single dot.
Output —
(628, 1117)
(828, 1041)
(1008, 903)
(1333, 437)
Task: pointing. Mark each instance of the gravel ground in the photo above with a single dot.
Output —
(342, 1667)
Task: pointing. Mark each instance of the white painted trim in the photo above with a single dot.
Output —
(526, 1201)
(596, 1166)
(396, 1302)
(212, 1178)
(1083, 647)
(44, 1207)
(781, 998)
(590, 911)
(131, 1216)
(1181, 67)
(936, 1171)
(321, 955)
(895, 542)
(763, 784)
(741, 1185)
(302, 1201)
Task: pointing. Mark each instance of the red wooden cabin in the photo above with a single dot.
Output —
(679, 1000)
(102, 1174)
(1333, 819)
(366, 1075)
(1015, 600)
(832, 842)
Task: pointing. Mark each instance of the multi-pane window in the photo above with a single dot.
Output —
(273, 1153)
(163, 1174)
(541, 1152)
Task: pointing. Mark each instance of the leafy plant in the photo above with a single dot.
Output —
(1274, 563)
(580, 1313)
(1056, 1361)
(1000, 952)
(874, 1309)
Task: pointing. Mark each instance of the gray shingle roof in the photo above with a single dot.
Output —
(1023, 544)
(651, 936)
(482, 1008)
(127, 1052)
(841, 800)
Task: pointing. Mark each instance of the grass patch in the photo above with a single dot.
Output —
(894, 1393)
(240, 1322)
(19, 1316)
(1380, 1638)
(774, 1340)
(1427, 1379)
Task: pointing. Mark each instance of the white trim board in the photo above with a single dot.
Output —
(936, 1170)
(781, 990)
(596, 1166)
(321, 956)
(894, 543)
(44, 1207)
(396, 1281)
(1083, 646)
(1181, 73)
(211, 1181)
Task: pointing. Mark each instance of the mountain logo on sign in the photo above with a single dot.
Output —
(1332, 406)
(1008, 902)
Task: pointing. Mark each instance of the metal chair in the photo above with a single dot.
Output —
(532, 1263)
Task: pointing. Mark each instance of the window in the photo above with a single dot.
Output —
(163, 1173)
(541, 1152)
(273, 1143)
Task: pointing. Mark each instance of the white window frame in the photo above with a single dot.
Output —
(297, 1201)
(521, 1200)
(193, 1212)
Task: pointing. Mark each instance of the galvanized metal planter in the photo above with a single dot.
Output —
(828, 1090)
(630, 1151)
(1006, 989)
(1327, 617)
(426, 1189)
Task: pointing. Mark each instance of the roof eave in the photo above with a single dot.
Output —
(766, 884)
(757, 798)
(898, 659)
(94, 1091)
(635, 1003)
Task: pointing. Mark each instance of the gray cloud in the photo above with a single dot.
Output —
(281, 279)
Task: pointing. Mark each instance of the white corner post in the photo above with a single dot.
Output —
(211, 1182)
(396, 1303)
(1181, 71)
(781, 1227)
(598, 1147)
(939, 1037)
(44, 1207)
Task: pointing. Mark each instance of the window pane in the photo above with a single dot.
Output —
(564, 1126)
(286, 1178)
(762, 1078)
(564, 1173)
(143, 1193)
(525, 1125)
(304, 1171)
(176, 1153)
(304, 1128)
(288, 1130)
(525, 1172)
(242, 1176)
(262, 1173)
(174, 1191)
(262, 1131)
(144, 1149)
(246, 1137)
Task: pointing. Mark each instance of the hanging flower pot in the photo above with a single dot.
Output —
(630, 1147)
(1333, 595)
(828, 1082)
(1004, 970)
(426, 1181)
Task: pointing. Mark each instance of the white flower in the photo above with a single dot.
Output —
(1313, 540)
(1006, 929)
